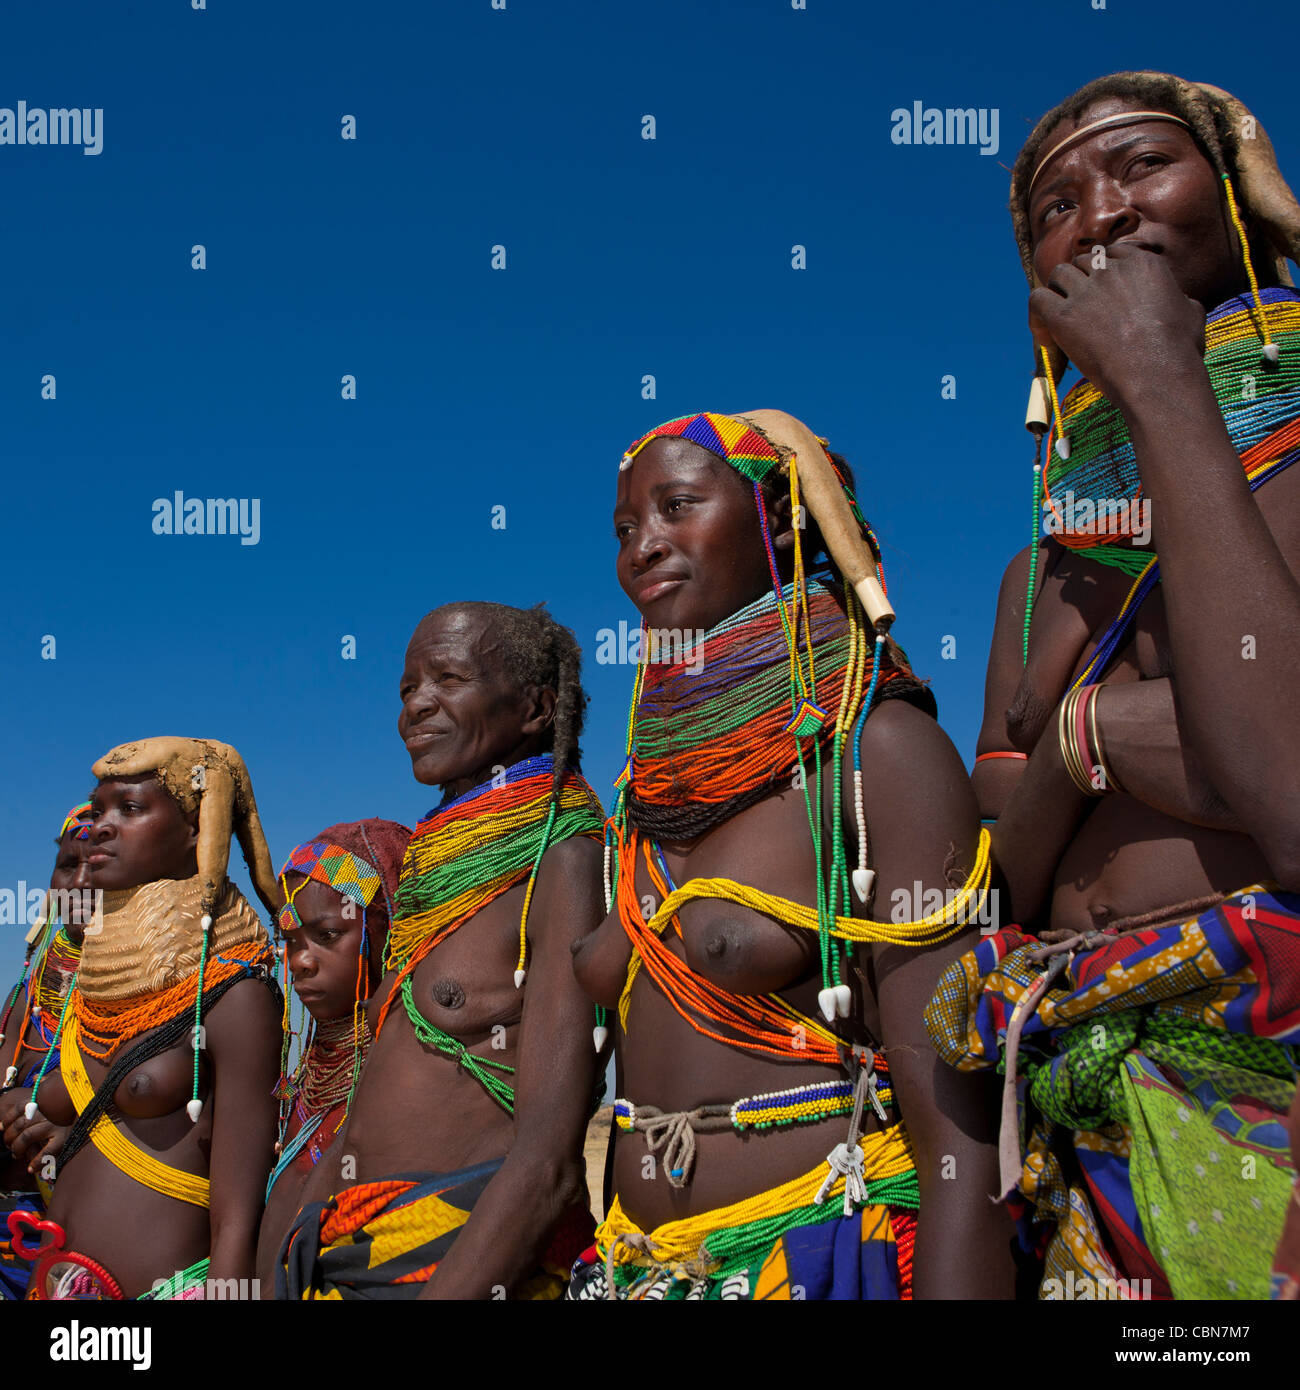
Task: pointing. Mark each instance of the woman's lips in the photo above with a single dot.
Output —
(420, 740)
(100, 856)
(649, 592)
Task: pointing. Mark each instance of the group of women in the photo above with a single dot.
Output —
(816, 1094)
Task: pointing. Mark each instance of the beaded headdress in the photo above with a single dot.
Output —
(77, 819)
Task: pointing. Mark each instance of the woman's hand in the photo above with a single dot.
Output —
(1120, 317)
(29, 1140)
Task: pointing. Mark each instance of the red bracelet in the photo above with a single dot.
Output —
(1024, 757)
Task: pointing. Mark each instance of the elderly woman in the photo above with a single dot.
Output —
(1139, 744)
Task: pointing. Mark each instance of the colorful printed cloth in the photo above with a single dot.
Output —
(782, 1245)
(15, 1272)
(1154, 1078)
(382, 1240)
(845, 1258)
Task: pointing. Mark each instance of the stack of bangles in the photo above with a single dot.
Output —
(1076, 728)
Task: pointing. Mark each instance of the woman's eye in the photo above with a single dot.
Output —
(1052, 209)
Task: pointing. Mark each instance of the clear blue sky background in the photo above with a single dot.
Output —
(478, 388)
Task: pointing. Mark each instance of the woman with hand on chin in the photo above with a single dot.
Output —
(1139, 743)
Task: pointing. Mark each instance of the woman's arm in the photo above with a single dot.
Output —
(1227, 559)
(555, 1080)
(994, 779)
(243, 1044)
(923, 827)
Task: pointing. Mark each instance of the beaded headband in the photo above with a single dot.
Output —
(733, 440)
(77, 819)
(332, 865)
(1120, 119)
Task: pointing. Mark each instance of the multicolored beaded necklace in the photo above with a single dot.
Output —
(48, 982)
(462, 856)
(320, 1090)
(777, 649)
(712, 729)
(1255, 398)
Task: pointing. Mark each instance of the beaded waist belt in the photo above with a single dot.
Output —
(675, 1131)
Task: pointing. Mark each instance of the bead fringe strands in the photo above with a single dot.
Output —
(29, 1110)
(521, 966)
(763, 1024)
(1036, 533)
(864, 879)
(1062, 439)
(194, 1107)
(1269, 352)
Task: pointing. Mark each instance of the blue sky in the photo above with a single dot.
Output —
(475, 387)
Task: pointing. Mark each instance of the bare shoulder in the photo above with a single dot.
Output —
(899, 738)
(577, 855)
(570, 890)
(247, 1003)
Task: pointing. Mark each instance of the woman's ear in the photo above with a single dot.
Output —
(543, 709)
(780, 520)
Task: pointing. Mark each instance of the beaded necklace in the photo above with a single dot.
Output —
(470, 850)
(817, 637)
(1256, 399)
(319, 1091)
(48, 984)
(104, 1026)
(324, 1075)
(47, 935)
(712, 729)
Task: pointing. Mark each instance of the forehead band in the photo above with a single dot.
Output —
(1120, 119)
